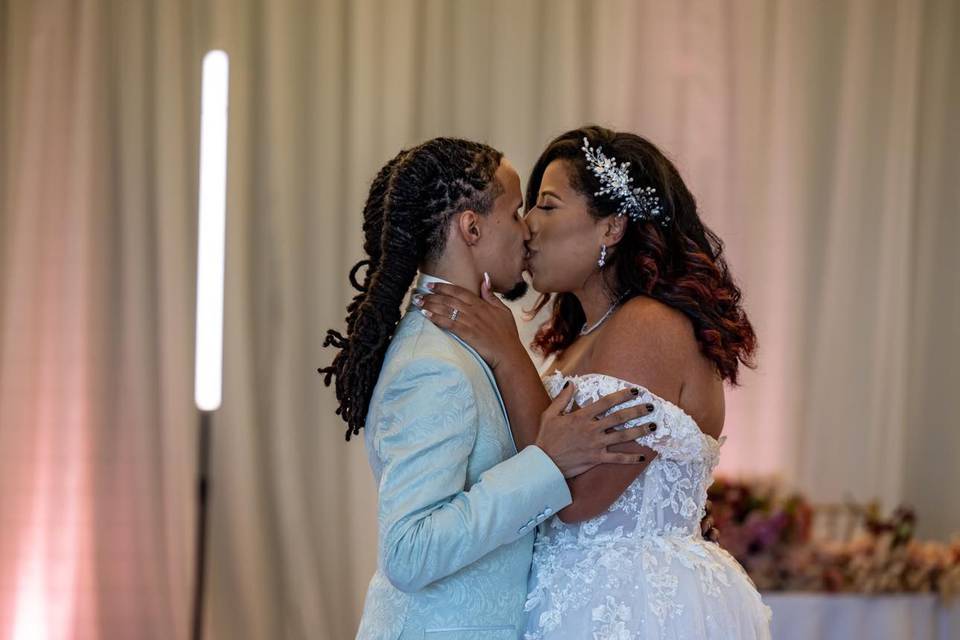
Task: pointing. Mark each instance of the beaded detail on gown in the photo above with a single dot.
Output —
(642, 569)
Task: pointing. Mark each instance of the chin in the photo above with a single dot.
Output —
(538, 284)
(517, 291)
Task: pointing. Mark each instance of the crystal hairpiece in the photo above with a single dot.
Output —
(641, 203)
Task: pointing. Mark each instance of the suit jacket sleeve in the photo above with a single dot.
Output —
(431, 524)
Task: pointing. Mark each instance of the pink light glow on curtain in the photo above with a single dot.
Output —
(47, 465)
(46, 349)
(48, 414)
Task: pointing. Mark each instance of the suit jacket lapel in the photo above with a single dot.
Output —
(489, 374)
(486, 370)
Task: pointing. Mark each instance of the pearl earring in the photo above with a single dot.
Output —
(603, 256)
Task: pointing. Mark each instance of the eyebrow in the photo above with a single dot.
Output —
(550, 193)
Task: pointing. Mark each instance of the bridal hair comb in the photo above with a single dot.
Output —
(640, 203)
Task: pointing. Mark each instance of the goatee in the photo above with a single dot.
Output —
(516, 292)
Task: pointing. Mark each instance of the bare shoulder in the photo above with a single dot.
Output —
(648, 342)
(651, 322)
(654, 345)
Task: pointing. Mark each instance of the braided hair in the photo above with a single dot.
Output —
(405, 219)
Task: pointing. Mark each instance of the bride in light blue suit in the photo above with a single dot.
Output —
(459, 494)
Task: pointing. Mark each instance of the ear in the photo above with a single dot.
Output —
(468, 226)
(616, 226)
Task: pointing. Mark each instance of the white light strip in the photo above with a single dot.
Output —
(210, 249)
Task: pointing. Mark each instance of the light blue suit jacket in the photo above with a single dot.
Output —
(458, 506)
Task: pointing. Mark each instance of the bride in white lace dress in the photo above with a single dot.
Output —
(642, 299)
(642, 569)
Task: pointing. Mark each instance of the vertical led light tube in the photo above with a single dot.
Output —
(211, 237)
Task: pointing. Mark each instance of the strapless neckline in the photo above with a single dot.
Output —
(644, 391)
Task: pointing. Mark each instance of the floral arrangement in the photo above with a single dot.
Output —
(785, 544)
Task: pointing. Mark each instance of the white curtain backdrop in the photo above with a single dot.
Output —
(821, 139)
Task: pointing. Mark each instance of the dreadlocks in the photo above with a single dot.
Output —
(405, 220)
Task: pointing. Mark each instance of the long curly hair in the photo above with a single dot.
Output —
(680, 264)
(411, 201)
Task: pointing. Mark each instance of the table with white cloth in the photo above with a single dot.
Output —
(809, 616)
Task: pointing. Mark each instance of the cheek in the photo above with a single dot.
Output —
(573, 240)
(559, 237)
(508, 247)
(513, 239)
(568, 254)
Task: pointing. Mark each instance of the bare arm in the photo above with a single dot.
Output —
(523, 395)
(647, 343)
(488, 326)
(576, 441)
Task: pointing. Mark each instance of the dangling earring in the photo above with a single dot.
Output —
(603, 256)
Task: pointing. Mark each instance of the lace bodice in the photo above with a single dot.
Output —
(668, 498)
(642, 569)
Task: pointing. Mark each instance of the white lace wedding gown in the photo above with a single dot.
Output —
(642, 569)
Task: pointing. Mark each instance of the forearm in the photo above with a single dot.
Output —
(523, 395)
(426, 544)
(439, 543)
(594, 491)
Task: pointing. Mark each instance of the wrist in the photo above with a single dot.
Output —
(544, 446)
(537, 443)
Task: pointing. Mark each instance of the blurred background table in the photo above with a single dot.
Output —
(808, 616)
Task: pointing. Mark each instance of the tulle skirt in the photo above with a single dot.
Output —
(648, 588)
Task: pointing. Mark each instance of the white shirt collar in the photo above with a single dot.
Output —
(425, 279)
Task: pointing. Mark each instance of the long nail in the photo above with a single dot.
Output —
(567, 384)
(653, 427)
(641, 458)
(486, 278)
(635, 391)
(650, 408)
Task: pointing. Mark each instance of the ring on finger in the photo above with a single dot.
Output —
(454, 314)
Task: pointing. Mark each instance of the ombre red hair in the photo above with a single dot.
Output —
(680, 264)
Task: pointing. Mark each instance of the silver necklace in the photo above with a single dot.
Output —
(584, 330)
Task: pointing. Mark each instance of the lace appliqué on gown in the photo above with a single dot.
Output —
(642, 568)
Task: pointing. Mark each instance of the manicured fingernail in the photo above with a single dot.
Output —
(427, 313)
(486, 278)
(653, 427)
(567, 384)
(650, 408)
(641, 458)
(635, 391)
(430, 285)
(418, 300)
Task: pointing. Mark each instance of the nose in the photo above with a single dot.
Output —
(530, 222)
(526, 229)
